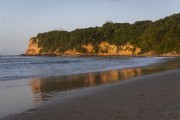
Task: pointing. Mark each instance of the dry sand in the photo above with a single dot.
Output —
(150, 97)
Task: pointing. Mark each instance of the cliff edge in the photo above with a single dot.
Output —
(105, 49)
(33, 48)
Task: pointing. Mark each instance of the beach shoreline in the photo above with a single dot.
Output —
(149, 97)
(97, 55)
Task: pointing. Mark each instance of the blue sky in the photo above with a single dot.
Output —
(22, 19)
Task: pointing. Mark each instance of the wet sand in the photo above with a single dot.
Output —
(149, 97)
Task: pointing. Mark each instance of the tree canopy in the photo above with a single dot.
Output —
(161, 36)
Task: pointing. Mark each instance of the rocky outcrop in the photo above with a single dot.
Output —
(89, 48)
(33, 48)
(71, 52)
(104, 49)
(127, 49)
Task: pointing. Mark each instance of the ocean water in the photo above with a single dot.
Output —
(19, 67)
(27, 82)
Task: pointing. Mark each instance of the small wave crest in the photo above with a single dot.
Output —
(55, 62)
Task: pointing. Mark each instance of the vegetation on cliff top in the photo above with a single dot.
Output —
(161, 36)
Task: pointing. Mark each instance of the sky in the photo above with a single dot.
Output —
(22, 19)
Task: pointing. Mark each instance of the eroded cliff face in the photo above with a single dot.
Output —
(127, 49)
(89, 48)
(104, 49)
(33, 48)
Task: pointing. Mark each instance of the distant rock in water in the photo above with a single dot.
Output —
(141, 38)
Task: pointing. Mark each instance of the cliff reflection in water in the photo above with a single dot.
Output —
(44, 88)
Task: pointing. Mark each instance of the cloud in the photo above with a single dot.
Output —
(3, 20)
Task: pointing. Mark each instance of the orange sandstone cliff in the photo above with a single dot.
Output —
(33, 48)
(104, 49)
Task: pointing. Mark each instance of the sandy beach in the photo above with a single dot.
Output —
(149, 97)
(89, 60)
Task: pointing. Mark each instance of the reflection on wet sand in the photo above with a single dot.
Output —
(43, 88)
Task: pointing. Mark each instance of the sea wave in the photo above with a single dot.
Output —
(17, 67)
